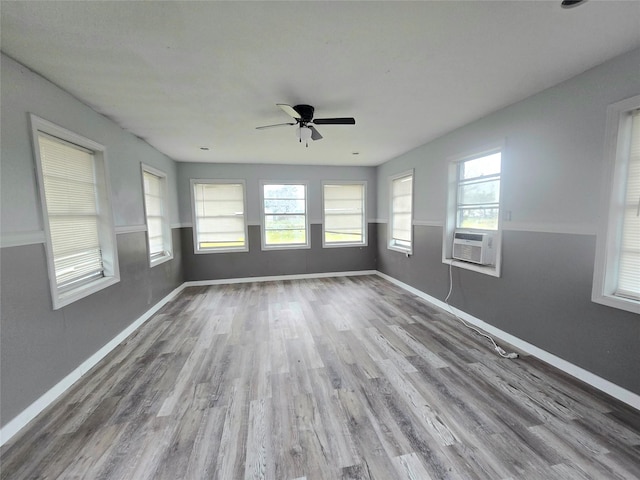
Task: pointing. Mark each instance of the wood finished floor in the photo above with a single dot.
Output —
(341, 378)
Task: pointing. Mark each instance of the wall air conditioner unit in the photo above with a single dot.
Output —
(474, 247)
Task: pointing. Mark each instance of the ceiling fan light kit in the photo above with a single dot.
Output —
(303, 115)
(304, 134)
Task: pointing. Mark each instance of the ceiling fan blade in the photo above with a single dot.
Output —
(315, 134)
(275, 125)
(289, 110)
(335, 121)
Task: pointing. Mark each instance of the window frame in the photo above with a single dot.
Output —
(217, 181)
(461, 183)
(616, 159)
(106, 225)
(451, 220)
(363, 226)
(167, 241)
(391, 243)
(292, 246)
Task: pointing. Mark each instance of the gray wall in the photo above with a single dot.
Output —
(552, 184)
(257, 262)
(39, 346)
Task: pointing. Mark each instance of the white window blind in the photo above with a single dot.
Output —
(401, 211)
(220, 216)
(344, 221)
(154, 202)
(629, 258)
(72, 209)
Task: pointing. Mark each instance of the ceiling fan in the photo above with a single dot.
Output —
(303, 116)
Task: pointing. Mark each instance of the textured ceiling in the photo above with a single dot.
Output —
(183, 75)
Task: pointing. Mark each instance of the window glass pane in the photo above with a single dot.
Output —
(479, 193)
(478, 196)
(480, 218)
(480, 167)
(343, 237)
(284, 206)
(286, 237)
(285, 220)
(221, 243)
(284, 191)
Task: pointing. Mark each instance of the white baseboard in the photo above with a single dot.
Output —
(580, 373)
(29, 413)
(302, 276)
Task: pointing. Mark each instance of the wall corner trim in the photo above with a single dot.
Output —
(23, 418)
(575, 371)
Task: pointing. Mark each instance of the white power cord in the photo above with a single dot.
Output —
(496, 347)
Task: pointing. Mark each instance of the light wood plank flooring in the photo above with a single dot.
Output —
(341, 378)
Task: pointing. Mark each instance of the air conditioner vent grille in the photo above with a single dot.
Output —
(473, 247)
(470, 253)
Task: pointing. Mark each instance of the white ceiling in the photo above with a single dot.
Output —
(183, 75)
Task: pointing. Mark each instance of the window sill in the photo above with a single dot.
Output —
(285, 247)
(490, 270)
(67, 298)
(221, 250)
(614, 301)
(160, 260)
(341, 245)
(406, 251)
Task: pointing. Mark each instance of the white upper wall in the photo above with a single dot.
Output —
(24, 92)
(552, 165)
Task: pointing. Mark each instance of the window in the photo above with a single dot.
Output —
(401, 215)
(344, 221)
(154, 184)
(284, 208)
(473, 205)
(219, 216)
(80, 236)
(617, 268)
(478, 193)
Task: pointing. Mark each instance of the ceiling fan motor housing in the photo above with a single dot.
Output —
(305, 111)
